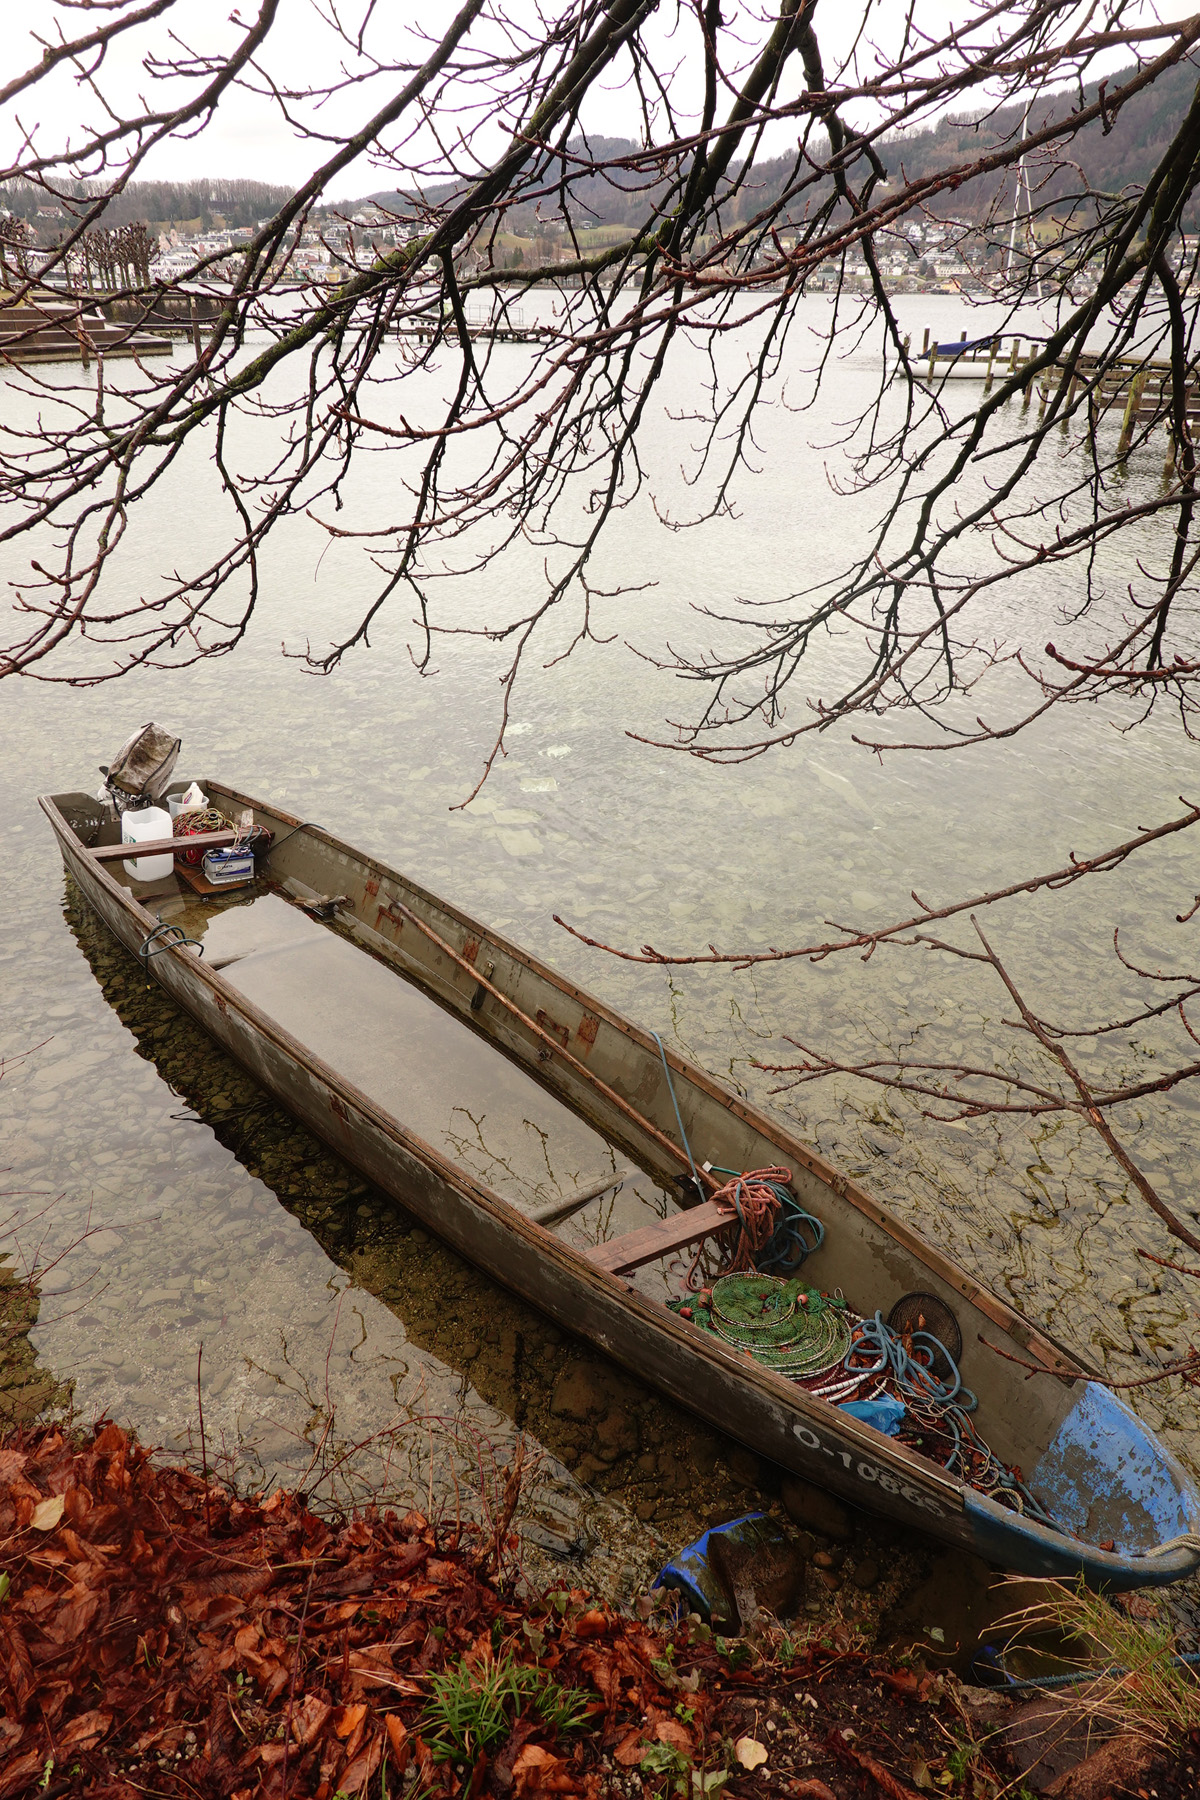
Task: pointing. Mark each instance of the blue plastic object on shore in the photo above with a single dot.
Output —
(691, 1573)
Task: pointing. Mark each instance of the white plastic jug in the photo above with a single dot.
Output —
(143, 827)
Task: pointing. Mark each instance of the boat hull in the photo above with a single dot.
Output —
(778, 1420)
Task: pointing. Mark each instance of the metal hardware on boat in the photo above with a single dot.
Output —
(480, 994)
(324, 906)
(162, 931)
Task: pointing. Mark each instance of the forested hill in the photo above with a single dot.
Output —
(203, 204)
(1122, 157)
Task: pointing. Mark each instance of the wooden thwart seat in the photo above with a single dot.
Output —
(199, 840)
(652, 1241)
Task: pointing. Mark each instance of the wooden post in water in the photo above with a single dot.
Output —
(195, 329)
(1066, 418)
(987, 384)
(1129, 420)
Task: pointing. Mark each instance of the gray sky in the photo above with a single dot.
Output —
(250, 135)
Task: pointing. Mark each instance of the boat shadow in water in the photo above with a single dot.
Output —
(443, 1059)
(618, 1438)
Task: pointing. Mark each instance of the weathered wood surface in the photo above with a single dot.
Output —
(199, 840)
(554, 1211)
(649, 1242)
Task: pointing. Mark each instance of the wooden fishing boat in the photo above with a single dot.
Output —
(549, 1141)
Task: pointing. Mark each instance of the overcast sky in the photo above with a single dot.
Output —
(250, 135)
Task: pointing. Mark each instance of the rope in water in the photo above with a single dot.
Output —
(937, 1408)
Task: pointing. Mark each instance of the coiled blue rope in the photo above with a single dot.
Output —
(907, 1364)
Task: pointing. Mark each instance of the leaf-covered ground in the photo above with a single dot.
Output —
(163, 1637)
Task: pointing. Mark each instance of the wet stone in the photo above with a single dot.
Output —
(580, 1393)
(616, 1435)
(813, 1508)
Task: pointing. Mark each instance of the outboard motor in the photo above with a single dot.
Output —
(141, 770)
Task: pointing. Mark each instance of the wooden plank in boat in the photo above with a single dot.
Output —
(555, 1210)
(652, 1241)
(201, 840)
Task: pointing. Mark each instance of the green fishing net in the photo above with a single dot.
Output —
(786, 1326)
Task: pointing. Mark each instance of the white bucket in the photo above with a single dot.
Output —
(193, 799)
(145, 826)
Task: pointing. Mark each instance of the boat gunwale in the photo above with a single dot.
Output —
(1021, 1329)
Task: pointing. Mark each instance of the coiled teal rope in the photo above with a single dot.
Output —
(797, 1233)
(906, 1364)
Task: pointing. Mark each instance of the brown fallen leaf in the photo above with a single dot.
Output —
(673, 1732)
(593, 1623)
(308, 1719)
(11, 1464)
(84, 1731)
(348, 1718)
(629, 1751)
(46, 1516)
(354, 1778)
(884, 1780)
(538, 1771)
(399, 1743)
(750, 1753)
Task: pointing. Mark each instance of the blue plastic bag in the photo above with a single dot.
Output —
(884, 1413)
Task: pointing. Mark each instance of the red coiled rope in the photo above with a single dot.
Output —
(756, 1204)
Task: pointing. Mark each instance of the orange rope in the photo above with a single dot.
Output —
(756, 1205)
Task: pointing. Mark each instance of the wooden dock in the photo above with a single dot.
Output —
(70, 331)
(1140, 390)
(507, 327)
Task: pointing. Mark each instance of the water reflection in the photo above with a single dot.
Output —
(633, 845)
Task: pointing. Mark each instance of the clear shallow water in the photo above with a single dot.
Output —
(215, 1222)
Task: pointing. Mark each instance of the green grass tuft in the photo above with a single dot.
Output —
(473, 1706)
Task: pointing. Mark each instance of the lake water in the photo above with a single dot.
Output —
(325, 1319)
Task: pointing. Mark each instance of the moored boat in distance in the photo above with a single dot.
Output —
(572, 1157)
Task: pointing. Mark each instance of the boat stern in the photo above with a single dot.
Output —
(1109, 1482)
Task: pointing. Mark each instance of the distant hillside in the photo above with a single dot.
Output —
(158, 203)
(1122, 157)
(1111, 160)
